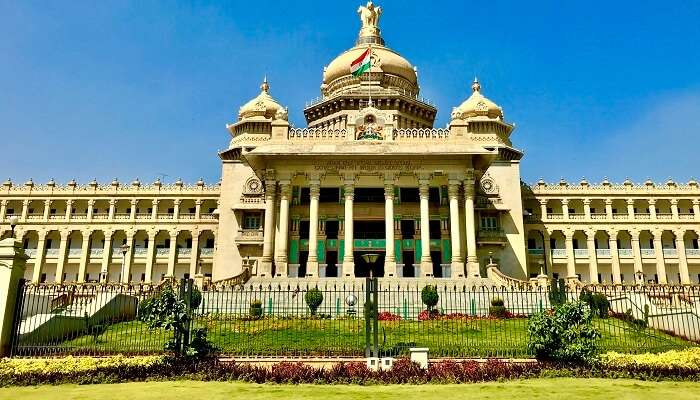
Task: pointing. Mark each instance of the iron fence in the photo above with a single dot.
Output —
(354, 319)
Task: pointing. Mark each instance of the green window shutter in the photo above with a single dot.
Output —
(321, 251)
(446, 251)
(293, 251)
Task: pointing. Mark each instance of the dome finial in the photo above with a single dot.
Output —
(265, 87)
(476, 86)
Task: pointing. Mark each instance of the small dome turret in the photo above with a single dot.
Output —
(263, 105)
(477, 106)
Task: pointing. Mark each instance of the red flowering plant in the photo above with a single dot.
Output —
(388, 316)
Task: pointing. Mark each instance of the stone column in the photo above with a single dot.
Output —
(659, 253)
(457, 261)
(269, 228)
(614, 256)
(176, 209)
(172, 254)
(592, 256)
(150, 255)
(348, 257)
(62, 253)
(630, 209)
(12, 263)
(47, 208)
(652, 209)
(197, 209)
(3, 209)
(587, 209)
(106, 254)
(132, 215)
(285, 194)
(90, 210)
(547, 252)
(390, 256)
(608, 209)
(682, 257)
(543, 209)
(472, 260)
(674, 209)
(129, 257)
(112, 205)
(84, 256)
(636, 252)
(426, 264)
(570, 258)
(194, 255)
(40, 256)
(312, 260)
(69, 209)
(565, 209)
(696, 209)
(25, 210)
(154, 209)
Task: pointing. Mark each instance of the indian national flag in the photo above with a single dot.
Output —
(362, 63)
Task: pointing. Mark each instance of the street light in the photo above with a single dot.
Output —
(640, 277)
(370, 259)
(124, 249)
(13, 222)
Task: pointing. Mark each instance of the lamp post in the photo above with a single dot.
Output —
(640, 277)
(124, 249)
(370, 259)
(13, 223)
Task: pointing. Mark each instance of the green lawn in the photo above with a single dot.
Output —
(308, 337)
(562, 388)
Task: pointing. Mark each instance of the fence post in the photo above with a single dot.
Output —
(12, 261)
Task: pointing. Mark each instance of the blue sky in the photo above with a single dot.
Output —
(138, 88)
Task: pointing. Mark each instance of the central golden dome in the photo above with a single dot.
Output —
(389, 68)
(390, 62)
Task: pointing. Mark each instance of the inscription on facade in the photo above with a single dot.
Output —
(368, 165)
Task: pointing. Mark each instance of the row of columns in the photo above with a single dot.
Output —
(348, 262)
(615, 257)
(630, 208)
(90, 209)
(63, 249)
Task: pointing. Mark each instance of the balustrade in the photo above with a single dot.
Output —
(52, 253)
(625, 253)
(648, 252)
(580, 252)
(206, 251)
(670, 253)
(603, 252)
(184, 251)
(559, 253)
(74, 252)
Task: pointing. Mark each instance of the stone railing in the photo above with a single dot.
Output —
(316, 134)
(184, 251)
(648, 252)
(206, 251)
(162, 251)
(580, 252)
(625, 253)
(249, 235)
(421, 133)
(558, 252)
(96, 252)
(603, 253)
(140, 251)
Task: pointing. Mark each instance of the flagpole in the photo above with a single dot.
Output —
(369, 46)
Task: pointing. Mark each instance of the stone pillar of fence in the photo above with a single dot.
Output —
(12, 260)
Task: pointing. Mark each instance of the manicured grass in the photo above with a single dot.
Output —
(562, 388)
(346, 337)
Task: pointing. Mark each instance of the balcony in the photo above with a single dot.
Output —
(184, 251)
(207, 216)
(122, 216)
(648, 252)
(140, 251)
(620, 216)
(605, 253)
(581, 253)
(577, 216)
(670, 253)
(96, 252)
(143, 216)
(533, 218)
(75, 252)
(558, 253)
(206, 251)
(625, 253)
(491, 236)
(51, 253)
(35, 217)
(555, 216)
(642, 216)
(57, 217)
(31, 253)
(664, 216)
(250, 236)
(686, 216)
(165, 216)
(692, 252)
(599, 216)
(535, 252)
(100, 216)
(162, 251)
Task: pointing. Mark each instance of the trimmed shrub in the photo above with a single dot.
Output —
(683, 360)
(564, 334)
(388, 316)
(598, 302)
(256, 310)
(429, 296)
(313, 298)
(498, 309)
